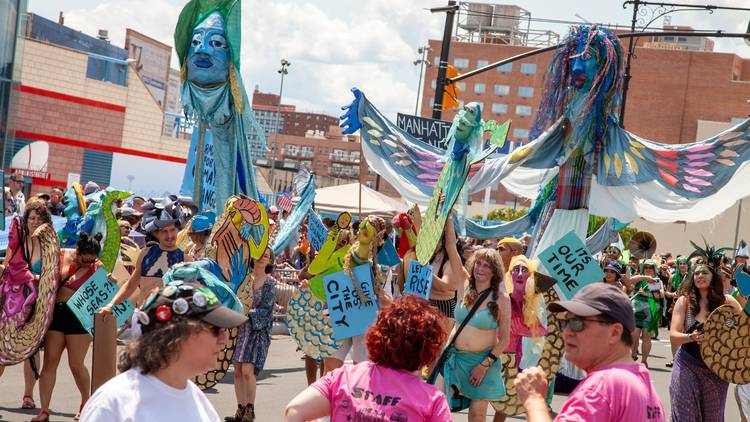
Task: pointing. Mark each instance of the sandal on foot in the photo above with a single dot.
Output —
(669, 364)
(78, 415)
(43, 416)
(28, 403)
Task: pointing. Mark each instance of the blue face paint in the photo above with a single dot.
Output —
(583, 66)
(208, 56)
(469, 120)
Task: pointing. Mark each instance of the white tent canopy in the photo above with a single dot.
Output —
(337, 199)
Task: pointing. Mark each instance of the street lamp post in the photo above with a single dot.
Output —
(283, 71)
(421, 62)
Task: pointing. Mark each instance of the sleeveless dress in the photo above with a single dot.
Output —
(254, 336)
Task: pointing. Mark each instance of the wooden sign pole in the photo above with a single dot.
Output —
(104, 356)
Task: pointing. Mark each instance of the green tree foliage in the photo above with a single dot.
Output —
(504, 214)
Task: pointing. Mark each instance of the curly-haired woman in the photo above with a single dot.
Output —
(695, 392)
(406, 337)
(184, 328)
(473, 368)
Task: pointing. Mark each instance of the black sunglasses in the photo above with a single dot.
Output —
(216, 331)
(576, 323)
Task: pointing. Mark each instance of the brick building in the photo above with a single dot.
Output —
(671, 90)
(84, 103)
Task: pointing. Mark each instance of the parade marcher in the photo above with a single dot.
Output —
(15, 200)
(613, 275)
(200, 229)
(363, 251)
(66, 332)
(22, 267)
(673, 292)
(406, 337)
(647, 304)
(509, 247)
(56, 207)
(472, 370)
(254, 338)
(155, 259)
(528, 319)
(597, 332)
(184, 328)
(137, 203)
(695, 392)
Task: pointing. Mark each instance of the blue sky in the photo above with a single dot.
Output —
(336, 44)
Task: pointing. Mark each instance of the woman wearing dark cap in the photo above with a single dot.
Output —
(613, 275)
(406, 337)
(184, 328)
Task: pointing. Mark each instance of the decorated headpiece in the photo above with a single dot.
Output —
(711, 255)
(186, 300)
(161, 213)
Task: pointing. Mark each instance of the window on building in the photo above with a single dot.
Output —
(460, 63)
(479, 88)
(523, 110)
(482, 63)
(502, 89)
(681, 39)
(520, 133)
(506, 68)
(436, 61)
(105, 70)
(499, 108)
(433, 84)
(525, 91)
(461, 86)
(528, 68)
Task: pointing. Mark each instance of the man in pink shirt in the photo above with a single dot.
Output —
(597, 331)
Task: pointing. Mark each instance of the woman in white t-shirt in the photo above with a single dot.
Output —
(184, 328)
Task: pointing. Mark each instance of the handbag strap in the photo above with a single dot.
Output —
(472, 311)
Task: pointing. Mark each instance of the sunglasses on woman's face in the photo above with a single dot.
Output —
(576, 324)
(216, 331)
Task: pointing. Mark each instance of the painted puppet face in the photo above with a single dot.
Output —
(366, 232)
(520, 274)
(583, 66)
(71, 203)
(469, 120)
(208, 56)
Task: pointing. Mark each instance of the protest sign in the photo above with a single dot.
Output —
(571, 264)
(419, 280)
(316, 231)
(350, 316)
(388, 255)
(96, 292)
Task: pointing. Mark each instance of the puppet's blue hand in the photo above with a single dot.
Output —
(351, 122)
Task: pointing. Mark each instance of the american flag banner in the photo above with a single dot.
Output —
(285, 201)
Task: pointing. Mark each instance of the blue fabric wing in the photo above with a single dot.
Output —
(695, 170)
(299, 213)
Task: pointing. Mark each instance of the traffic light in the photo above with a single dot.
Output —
(451, 91)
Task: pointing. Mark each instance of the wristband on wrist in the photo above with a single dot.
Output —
(491, 356)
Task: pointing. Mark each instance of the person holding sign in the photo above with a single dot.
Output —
(66, 332)
(364, 251)
(406, 337)
(647, 303)
(184, 328)
(472, 370)
(254, 338)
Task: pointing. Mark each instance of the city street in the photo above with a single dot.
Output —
(283, 377)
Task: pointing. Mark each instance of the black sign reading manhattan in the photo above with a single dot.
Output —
(429, 131)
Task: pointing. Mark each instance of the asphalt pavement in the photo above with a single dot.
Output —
(282, 379)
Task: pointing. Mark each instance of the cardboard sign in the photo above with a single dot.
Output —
(316, 231)
(388, 255)
(571, 264)
(430, 131)
(350, 316)
(199, 170)
(419, 280)
(104, 355)
(96, 292)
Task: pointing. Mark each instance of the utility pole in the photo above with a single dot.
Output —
(450, 10)
(283, 71)
(422, 61)
(626, 77)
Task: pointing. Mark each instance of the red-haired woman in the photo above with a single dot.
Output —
(473, 369)
(406, 337)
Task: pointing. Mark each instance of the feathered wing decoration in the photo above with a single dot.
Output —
(712, 255)
(299, 214)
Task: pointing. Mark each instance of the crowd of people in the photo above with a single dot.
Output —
(484, 302)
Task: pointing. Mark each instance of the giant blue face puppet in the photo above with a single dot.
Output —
(208, 56)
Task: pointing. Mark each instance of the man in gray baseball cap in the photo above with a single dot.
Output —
(596, 327)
